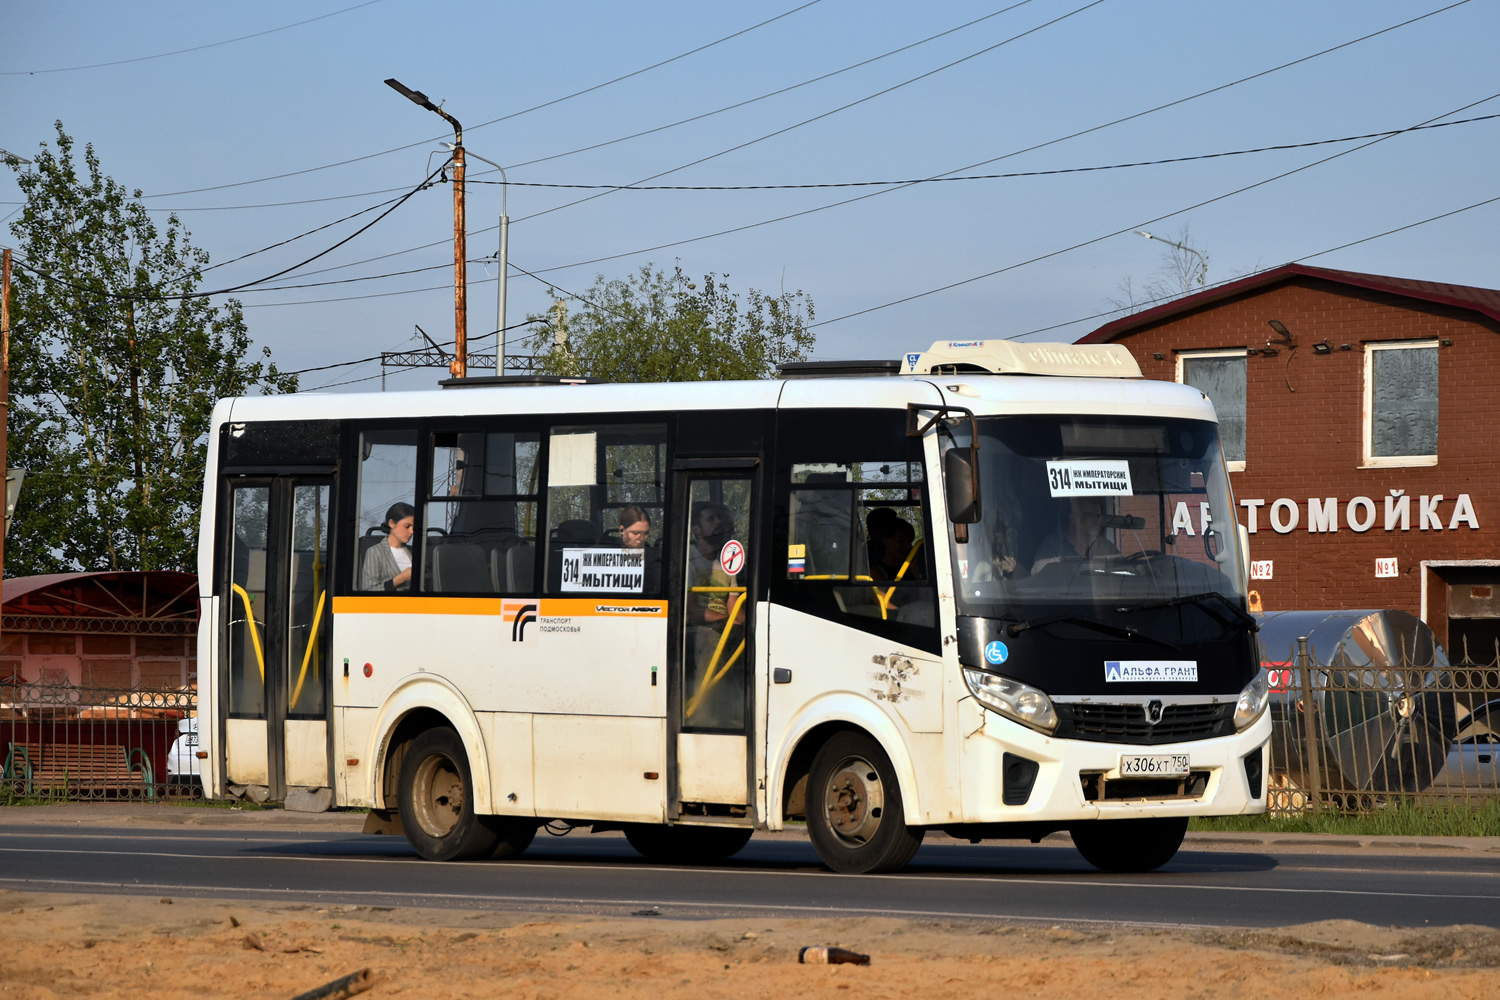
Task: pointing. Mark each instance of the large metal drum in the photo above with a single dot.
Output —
(1377, 700)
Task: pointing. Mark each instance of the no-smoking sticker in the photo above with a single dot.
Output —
(732, 557)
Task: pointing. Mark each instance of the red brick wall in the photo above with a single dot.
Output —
(1304, 436)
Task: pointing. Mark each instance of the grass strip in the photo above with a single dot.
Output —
(1395, 819)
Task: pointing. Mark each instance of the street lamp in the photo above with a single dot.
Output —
(1202, 261)
(504, 266)
(459, 367)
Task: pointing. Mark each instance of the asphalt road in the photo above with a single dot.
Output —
(1253, 886)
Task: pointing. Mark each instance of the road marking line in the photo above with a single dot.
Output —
(1161, 883)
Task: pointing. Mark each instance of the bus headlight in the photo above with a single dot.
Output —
(1012, 699)
(1252, 703)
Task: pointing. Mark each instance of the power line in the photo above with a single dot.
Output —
(1014, 153)
(767, 96)
(1036, 330)
(637, 135)
(826, 114)
(1119, 232)
(1041, 145)
(875, 194)
(814, 186)
(1146, 303)
(273, 204)
(513, 114)
(299, 236)
(236, 288)
(986, 177)
(971, 177)
(194, 48)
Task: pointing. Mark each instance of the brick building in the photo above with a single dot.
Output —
(1359, 416)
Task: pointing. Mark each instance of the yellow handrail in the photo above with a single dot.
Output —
(712, 676)
(312, 640)
(885, 598)
(260, 657)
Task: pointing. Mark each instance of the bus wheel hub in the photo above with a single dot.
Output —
(854, 800)
(440, 796)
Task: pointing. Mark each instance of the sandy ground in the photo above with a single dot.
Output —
(90, 946)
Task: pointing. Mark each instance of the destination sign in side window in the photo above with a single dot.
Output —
(590, 570)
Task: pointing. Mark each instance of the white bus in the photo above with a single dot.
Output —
(992, 589)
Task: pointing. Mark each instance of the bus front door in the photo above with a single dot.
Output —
(277, 636)
(712, 698)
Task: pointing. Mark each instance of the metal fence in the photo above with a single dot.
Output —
(63, 742)
(1343, 736)
(1359, 738)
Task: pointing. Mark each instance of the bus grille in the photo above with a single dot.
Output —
(1104, 723)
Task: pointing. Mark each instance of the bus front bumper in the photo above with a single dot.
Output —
(1015, 774)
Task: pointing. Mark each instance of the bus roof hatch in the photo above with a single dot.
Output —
(1009, 357)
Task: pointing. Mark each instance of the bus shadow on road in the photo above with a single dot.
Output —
(793, 856)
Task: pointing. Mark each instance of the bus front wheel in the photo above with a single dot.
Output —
(1129, 845)
(437, 801)
(855, 815)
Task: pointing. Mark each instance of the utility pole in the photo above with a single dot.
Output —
(500, 294)
(459, 366)
(504, 264)
(4, 400)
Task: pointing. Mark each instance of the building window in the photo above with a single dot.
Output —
(1401, 403)
(1220, 375)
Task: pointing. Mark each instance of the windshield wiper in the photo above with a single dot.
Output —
(1242, 616)
(1118, 631)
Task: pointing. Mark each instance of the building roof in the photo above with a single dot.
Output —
(155, 596)
(1485, 301)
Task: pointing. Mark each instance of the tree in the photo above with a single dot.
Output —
(652, 327)
(1182, 271)
(116, 362)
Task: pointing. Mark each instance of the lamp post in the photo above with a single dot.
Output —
(504, 266)
(1202, 260)
(459, 367)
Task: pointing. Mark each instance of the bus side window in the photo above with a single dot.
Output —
(481, 513)
(386, 540)
(855, 529)
(596, 477)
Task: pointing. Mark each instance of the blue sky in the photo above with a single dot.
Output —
(288, 101)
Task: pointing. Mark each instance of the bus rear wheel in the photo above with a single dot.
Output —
(686, 845)
(437, 801)
(1129, 845)
(512, 835)
(855, 815)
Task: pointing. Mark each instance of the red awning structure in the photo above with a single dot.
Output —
(137, 603)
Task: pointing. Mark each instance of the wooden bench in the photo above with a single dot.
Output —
(78, 767)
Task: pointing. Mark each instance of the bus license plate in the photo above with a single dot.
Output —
(1153, 765)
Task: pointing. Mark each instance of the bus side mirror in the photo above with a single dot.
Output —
(961, 486)
(1244, 552)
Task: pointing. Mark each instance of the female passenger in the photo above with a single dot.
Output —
(388, 567)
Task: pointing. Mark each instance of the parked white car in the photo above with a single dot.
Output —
(182, 758)
(1474, 758)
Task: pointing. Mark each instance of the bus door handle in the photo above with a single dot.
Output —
(781, 675)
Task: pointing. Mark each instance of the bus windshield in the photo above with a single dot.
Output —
(1096, 515)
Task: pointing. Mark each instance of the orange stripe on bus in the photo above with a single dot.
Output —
(416, 606)
(551, 607)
